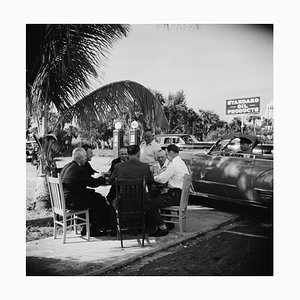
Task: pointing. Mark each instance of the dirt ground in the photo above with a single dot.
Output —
(245, 250)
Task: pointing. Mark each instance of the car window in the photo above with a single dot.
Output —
(187, 139)
(167, 141)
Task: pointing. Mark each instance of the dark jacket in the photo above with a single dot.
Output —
(89, 168)
(113, 163)
(132, 169)
(75, 180)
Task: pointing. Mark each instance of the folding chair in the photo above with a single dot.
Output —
(129, 206)
(69, 217)
(177, 214)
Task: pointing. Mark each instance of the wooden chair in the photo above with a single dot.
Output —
(69, 217)
(129, 206)
(177, 214)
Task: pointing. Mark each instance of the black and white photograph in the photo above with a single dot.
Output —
(149, 149)
(183, 114)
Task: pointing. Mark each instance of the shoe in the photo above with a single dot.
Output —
(98, 233)
(159, 232)
(170, 226)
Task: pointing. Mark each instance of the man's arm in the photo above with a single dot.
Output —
(113, 176)
(164, 176)
(88, 180)
(150, 178)
(156, 148)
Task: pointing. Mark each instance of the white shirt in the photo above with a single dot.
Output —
(149, 152)
(156, 168)
(173, 174)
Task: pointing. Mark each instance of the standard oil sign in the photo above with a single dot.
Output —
(243, 106)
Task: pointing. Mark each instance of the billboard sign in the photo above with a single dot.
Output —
(243, 106)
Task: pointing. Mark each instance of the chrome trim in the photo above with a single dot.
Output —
(233, 200)
(265, 194)
(262, 190)
(219, 183)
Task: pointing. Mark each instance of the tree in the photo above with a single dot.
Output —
(60, 60)
(209, 121)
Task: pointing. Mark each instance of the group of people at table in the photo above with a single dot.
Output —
(163, 172)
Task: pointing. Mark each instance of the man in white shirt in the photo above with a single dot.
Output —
(173, 175)
(149, 148)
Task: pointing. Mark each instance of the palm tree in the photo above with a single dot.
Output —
(60, 61)
(117, 99)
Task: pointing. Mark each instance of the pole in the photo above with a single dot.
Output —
(242, 129)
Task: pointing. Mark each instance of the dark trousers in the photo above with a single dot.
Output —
(110, 197)
(99, 210)
(153, 216)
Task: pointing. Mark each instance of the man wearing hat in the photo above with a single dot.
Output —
(245, 146)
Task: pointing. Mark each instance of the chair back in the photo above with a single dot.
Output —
(130, 197)
(187, 180)
(56, 195)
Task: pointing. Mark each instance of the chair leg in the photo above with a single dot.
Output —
(64, 230)
(119, 228)
(54, 226)
(185, 223)
(75, 224)
(87, 217)
(143, 231)
(121, 237)
(180, 223)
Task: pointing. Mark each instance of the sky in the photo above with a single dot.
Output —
(211, 63)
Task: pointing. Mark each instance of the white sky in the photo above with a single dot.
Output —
(210, 64)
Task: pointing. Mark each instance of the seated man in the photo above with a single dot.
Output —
(173, 175)
(89, 154)
(112, 192)
(75, 180)
(123, 157)
(245, 146)
(158, 167)
(105, 210)
(133, 168)
(162, 162)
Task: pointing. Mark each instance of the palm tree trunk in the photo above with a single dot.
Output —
(45, 167)
(42, 196)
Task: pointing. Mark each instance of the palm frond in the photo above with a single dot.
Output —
(65, 58)
(117, 99)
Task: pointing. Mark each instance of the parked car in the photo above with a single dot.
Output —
(31, 148)
(263, 149)
(228, 174)
(183, 141)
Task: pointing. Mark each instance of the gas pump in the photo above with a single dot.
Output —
(117, 140)
(134, 134)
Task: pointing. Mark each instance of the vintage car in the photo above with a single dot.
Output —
(183, 141)
(226, 173)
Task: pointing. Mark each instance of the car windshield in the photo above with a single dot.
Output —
(227, 145)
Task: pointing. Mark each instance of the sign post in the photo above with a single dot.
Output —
(242, 107)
